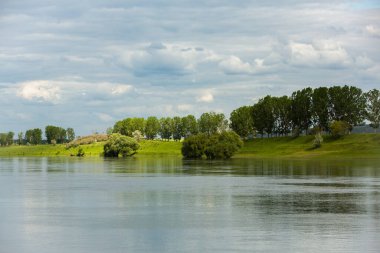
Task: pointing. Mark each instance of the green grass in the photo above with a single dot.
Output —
(350, 146)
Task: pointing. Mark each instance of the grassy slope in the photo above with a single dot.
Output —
(146, 148)
(351, 146)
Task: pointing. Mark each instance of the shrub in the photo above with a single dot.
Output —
(118, 144)
(317, 143)
(194, 146)
(217, 146)
(223, 145)
(80, 152)
(339, 128)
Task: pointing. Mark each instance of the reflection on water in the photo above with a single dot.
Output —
(166, 204)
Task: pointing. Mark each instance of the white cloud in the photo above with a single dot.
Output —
(105, 117)
(121, 89)
(234, 65)
(372, 30)
(319, 54)
(40, 90)
(185, 107)
(205, 96)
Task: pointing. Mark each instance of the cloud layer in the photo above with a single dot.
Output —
(86, 64)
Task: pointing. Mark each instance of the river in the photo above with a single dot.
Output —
(166, 204)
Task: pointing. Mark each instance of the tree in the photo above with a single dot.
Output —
(70, 134)
(373, 108)
(211, 122)
(263, 116)
(301, 108)
(216, 146)
(194, 146)
(129, 125)
(320, 108)
(33, 136)
(20, 138)
(242, 121)
(10, 136)
(58, 134)
(190, 126)
(347, 104)
(119, 144)
(339, 128)
(166, 128)
(152, 127)
(6, 139)
(177, 127)
(282, 115)
(223, 145)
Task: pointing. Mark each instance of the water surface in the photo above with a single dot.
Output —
(166, 204)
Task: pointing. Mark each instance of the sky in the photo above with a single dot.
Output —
(86, 64)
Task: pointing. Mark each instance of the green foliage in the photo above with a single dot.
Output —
(242, 121)
(166, 128)
(70, 134)
(373, 108)
(223, 145)
(189, 125)
(194, 146)
(6, 139)
(129, 125)
(301, 108)
(137, 135)
(152, 127)
(282, 114)
(318, 140)
(55, 133)
(177, 127)
(347, 104)
(211, 122)
(33, 136)
(118, 144)
(339, 128)
(20, 138)
(216, 146)
(80, 152)
(263, 116)
(320, 108)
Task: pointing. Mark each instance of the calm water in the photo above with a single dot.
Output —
(171, 205)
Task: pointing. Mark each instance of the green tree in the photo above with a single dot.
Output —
(282, 115)
(166, 128)
(178, 129)
(242, 121)
(373, 108)
(70, 134)
(320, 108)
(211, 122)
(347, 104)
(301, 108)
(20, 138)
(55, 134)
(193, 147)
(339, 128)
(263, 116)
(129, 125)
(152, 127)
(190, 125)
(33, 136)
(10, 136)
(119, 144)
(223, 145)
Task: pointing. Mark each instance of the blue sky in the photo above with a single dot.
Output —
(85, 64)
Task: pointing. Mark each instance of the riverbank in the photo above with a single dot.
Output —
(350, 146)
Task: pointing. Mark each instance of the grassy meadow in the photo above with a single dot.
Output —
(350, 146)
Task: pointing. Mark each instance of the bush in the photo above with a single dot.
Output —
(217, 146)
(80, 152)
(339, 129)
(223, 145)
(194, 146)
(317, 143)
(118, 144)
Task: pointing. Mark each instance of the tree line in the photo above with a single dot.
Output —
(53, 134)
(308, 110)
(304, 111)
